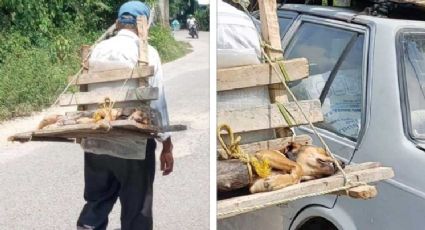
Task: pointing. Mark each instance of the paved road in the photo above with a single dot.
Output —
(41, 183)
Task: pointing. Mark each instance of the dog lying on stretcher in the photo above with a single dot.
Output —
(101, 115)
(292, 165)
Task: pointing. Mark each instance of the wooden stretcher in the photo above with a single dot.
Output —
(84, 100)
(250, 123)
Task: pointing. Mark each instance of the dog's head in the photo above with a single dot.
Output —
(314, 161)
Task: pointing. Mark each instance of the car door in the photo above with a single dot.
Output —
(337, 55)
(395, 134)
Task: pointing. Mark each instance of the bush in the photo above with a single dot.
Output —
(203, 17)
(168, 48)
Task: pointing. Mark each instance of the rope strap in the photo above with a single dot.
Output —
(234, 151)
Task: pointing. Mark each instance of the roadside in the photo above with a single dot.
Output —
(42, 183)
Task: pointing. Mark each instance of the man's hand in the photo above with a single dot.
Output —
(166, 158)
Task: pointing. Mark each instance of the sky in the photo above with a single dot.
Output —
(204, 2)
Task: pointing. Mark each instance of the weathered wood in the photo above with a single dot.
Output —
(231, 174)
(267, 117)
(363, 192)
(84, 55)
(119, 127)
(243, 204)
(271, 36)
(111, 129)
(359, 167)
(113, 75)
(85, 98)
(270, 27)
(142, 31)
(25, 137)
(275, 144)
(258, 75)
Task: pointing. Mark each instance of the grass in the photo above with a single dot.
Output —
(168, 48)
(31, 77)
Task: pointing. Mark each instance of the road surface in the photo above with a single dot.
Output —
(41, 183)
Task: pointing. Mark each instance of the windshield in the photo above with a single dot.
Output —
(414, 62)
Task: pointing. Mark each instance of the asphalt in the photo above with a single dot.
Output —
(41, 183)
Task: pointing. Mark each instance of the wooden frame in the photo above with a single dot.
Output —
(259, 75)
(269, 116)
(362, 173)
(114, 75)
(86, 98)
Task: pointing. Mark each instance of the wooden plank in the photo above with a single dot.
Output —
(142, 31)
(25, 137)
(271, 36)
(243, 204)
(113, 128)
(275, 144)
(363, 192)
(270, 28)
(85, 98)
(84, 55)
(269, 116)
(83, 130)
(259, 75)
(114, 75)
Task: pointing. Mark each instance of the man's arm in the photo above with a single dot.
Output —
(166, 158)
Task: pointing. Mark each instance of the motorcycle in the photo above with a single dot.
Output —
(193, 31)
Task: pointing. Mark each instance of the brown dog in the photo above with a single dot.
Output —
(300, 162)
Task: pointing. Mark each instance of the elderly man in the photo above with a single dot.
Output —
(123, 167)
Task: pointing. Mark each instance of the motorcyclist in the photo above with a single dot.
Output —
(192, 26)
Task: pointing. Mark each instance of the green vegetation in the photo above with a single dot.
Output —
(39, 44)
(203, 17)
(168, 48)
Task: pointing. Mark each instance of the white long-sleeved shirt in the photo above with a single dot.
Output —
(122, 51)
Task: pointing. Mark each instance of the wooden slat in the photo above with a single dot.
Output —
(243, 204)
(114, 75)
(142, 31)
(111, 129)
(85, 98)
(84, 52)
(269, 116)
(275, 144)
(270, 27)
(259, 75)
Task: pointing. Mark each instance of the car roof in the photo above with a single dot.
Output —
(345, 14)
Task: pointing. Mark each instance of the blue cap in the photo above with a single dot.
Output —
(134, 8)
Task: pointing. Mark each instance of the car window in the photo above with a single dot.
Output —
(284, 24)
(340, 55)
(322, 45)
(414, 63)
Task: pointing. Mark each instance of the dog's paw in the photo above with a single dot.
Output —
(262, 185)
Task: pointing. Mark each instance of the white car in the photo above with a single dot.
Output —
(369, 74)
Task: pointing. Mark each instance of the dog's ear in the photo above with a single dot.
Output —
(291, 151)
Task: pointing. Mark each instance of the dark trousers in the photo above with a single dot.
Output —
(107, 178)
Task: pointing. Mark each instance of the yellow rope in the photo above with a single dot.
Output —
(233, 150)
